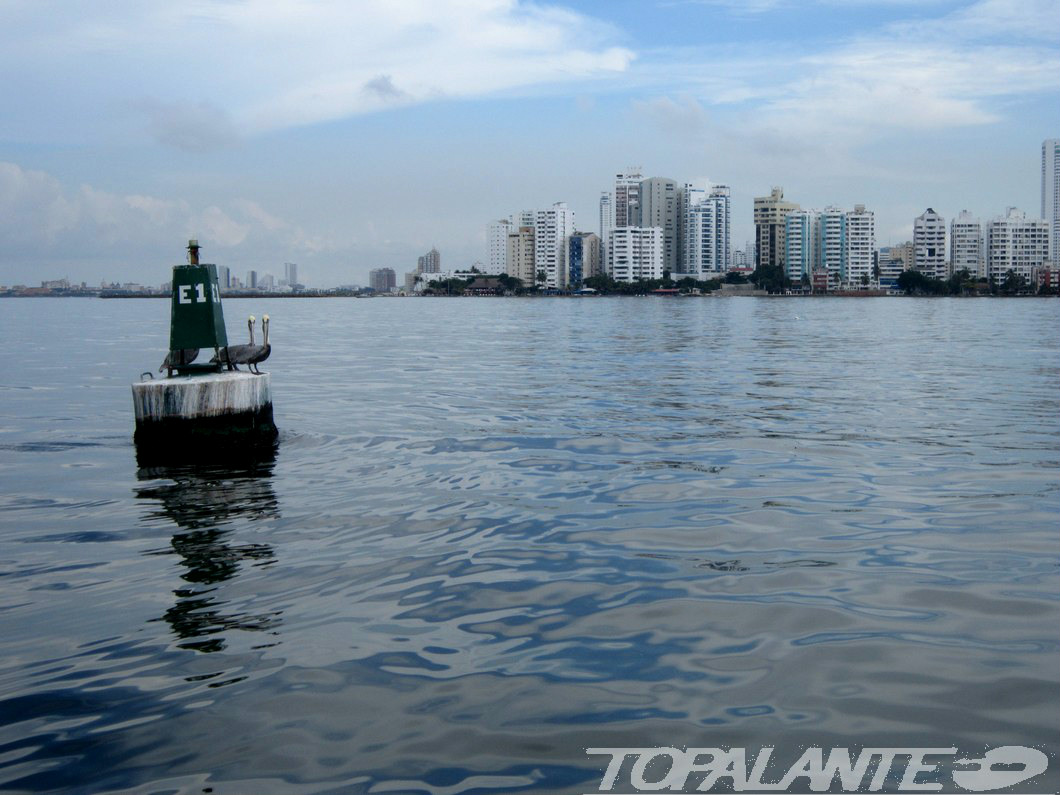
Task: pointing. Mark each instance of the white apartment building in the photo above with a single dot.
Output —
(431, 262)
(800, 244)
(1017, 243)
(688, 195)
(929, 244)
(860, 245)
(707, 246)
(497, 247)
(636, 253)
(1051, 195)
(966, 245)
(552, 227)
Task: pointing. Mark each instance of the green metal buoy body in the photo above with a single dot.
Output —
(196, 319)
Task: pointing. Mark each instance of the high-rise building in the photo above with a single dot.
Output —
(769, 215)
(627, 198)
(1051, 195)
(860, 247)
(636, 253)
(382, 280)
(607, 222)
(290, 273)
(552, 227)
(1016, 243)
(832, 244)
(657, 206)
(707, 247)
(929, 244)
(966, 245)
(800, 244)
(688, 195)
(431, 262)
(224, 277)
(497, 246)
(583, 257)
(521, 255)
(252, 280)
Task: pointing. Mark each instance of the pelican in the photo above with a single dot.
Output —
(239, 354)
(261, 352)
(179, 357)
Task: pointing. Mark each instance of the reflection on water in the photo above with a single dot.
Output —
(202, 496)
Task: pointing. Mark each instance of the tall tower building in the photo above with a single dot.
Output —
(520, 255)
(637, 253)
(583, 257)
(497, 246)
(1051, 195)
(688, 196)
(627, 198)
(657, 199)
(1015, 243)
(607, 222)
(832, 244)
(860, 245)
(800, 244)
(431, 262)
(929, 244)
(966, 245)
(290, 273)
(770, 213)
(382, 280)
(552, 227)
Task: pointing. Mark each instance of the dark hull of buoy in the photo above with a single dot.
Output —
(211, 412)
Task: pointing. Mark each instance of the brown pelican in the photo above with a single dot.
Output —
(261, 352)
(176, 358)
(238, 354)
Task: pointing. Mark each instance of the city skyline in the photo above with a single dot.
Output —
(375, 134)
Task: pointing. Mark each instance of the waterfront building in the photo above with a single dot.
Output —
(891, 267)
(627, 198)
(707, 247)
(607, 221)
(929, 244)
(966, 245)
(657, 206)
(688, 195)
(410, 281)
(431, 262)
(290, 273)
(382, 280)
(1051, 195)
(636, 253)
(252, 280)
(1016, 243)
(800, 244)
(552, 227)
(497, 246)
(224, 277)
(770, 213)
(521, 255)
(860, 247)
(832, 245)
(583, 258)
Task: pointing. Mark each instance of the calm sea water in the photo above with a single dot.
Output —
(496, 532)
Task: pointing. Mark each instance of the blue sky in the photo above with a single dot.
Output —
(351, 135)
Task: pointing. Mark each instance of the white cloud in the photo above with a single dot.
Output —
(39, 216)
(206, 71)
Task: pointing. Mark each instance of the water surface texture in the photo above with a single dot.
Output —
(495, 532)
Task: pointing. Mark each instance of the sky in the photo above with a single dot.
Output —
(346, 135)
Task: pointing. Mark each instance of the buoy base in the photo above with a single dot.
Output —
(189, 411)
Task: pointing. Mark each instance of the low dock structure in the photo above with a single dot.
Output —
(226, 404)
